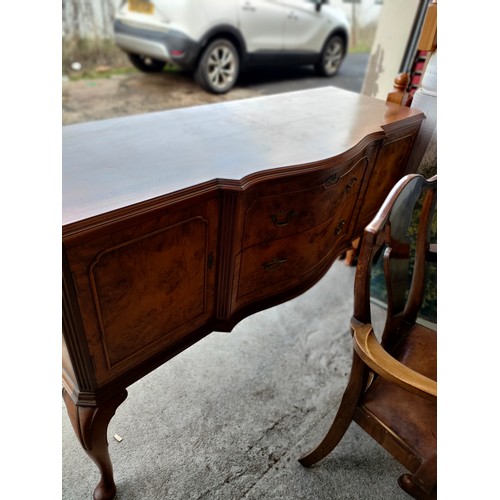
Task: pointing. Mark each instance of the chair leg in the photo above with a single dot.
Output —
(343, 417)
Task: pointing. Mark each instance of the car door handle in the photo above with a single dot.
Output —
(248, 7)
(293, 16)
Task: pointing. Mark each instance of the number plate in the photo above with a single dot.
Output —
(142, 6)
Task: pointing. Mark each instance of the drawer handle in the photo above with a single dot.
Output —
(282, 218)
(339, 227)
(273, 264)
(332, 179)
(351, 182)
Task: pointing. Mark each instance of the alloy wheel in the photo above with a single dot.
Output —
(221, 67)
(333, 56)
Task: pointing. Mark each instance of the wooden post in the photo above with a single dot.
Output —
(428, 37)
(399, 95)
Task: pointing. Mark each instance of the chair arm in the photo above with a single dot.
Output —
(380, 361)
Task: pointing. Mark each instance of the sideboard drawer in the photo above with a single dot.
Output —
(266, 268)
(273, 216)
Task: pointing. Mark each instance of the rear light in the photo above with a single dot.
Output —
(177, 53)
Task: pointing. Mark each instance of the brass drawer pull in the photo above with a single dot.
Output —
(351, 182)
(339, 227)
(282, 218)
(273, 264)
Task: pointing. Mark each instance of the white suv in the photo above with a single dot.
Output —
(216, 38)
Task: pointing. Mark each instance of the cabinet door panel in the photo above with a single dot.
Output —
(147, 288)
(143, 289)
(390, 167)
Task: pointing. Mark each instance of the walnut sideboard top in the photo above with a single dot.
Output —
(113, 163)
(181, 222)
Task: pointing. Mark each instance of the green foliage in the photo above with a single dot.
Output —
(96, 56)
(100, 72)
(428, 170)
(362, 40)
(428, 310)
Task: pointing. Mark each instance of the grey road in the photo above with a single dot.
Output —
(276, 80)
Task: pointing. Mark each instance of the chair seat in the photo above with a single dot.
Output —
(396, 418)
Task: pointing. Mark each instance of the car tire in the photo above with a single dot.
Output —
(146, 64)
(218, 68)
(332, 56)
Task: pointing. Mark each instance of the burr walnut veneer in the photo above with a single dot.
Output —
(179, 223)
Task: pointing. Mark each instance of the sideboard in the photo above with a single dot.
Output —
(179, 223)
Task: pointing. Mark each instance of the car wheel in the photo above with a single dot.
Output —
(331, 56)
(218, 68)
(146, 64)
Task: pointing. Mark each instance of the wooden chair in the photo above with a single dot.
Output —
(392, 388)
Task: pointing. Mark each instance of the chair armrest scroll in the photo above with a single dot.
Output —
(380, 361)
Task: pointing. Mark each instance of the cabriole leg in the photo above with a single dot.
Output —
(90, 424)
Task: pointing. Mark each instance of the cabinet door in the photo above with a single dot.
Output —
(390, 166)
(146, 286)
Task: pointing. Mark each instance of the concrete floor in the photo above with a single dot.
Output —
(228, 418)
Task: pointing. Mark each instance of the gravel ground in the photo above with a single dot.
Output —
(135, 93)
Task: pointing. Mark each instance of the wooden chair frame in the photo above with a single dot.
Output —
(392, 388)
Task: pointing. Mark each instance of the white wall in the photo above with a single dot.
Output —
(393, 31)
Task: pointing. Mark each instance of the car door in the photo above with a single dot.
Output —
(262, 23)
(305, 28)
